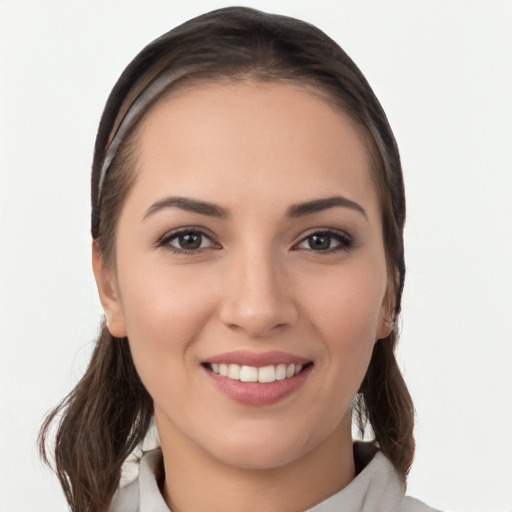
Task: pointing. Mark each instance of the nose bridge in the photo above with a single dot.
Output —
(257, 296)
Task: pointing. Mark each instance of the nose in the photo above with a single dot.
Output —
(258, 296)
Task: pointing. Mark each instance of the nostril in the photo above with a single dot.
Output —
(257, 307)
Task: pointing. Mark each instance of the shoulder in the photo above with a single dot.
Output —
(376, 466)
(142, 493)
(126, 499)
(376, 486)
(413, 505)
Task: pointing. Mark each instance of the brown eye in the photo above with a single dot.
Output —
(326, 241)
(319, 242)
(189, 241)
(186, 241)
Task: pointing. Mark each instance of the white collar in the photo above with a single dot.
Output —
(376, 488)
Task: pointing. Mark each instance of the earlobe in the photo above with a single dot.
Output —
(387, 319)
(109, 295)
(386, 326)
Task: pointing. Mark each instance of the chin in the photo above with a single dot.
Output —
(260, 448)
(261, 457)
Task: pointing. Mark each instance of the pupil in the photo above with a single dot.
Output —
(319, 242)
(190, 241)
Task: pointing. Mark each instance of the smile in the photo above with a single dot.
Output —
(264, 375)
(257, 379)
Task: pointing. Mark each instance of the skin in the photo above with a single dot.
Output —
(256, 284)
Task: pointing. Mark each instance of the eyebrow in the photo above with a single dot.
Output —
(188, 204)
(318, 205)
(214, 210)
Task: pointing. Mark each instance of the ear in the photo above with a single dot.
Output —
(386, 326)
(387, 314)
(109, 294)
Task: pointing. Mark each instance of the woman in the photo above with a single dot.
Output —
(247, 217)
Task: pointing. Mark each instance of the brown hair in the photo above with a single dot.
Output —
(108, 413)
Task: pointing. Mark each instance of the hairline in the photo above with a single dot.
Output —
(190, 82)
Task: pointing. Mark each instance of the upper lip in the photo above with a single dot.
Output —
(247, 358)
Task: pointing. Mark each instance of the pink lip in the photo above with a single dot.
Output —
(257, 393)
(244, 357)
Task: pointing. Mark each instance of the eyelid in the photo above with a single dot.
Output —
(346, 242)
(164, 240)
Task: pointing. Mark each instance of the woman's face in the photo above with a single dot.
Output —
(251, 238)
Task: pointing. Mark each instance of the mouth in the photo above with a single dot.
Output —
(262, 374)
(257, 379)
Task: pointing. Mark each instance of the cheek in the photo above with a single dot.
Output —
(157, 296)
(164, 312)
(348, 304)
(346, 311)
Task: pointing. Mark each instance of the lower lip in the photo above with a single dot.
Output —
(256, 393)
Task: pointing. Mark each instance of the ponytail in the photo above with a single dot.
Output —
(384, 402)
(100, 423)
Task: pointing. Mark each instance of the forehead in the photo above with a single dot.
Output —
(252, 134)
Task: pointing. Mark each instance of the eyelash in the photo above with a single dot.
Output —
(345, 242)
(166, 240)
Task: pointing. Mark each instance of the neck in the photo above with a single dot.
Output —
(195, 481)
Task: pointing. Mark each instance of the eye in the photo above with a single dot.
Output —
(326, 241)
(186, 241)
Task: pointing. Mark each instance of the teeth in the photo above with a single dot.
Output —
(264, 374)
(280, 372)
(234, 371)
(249, 374)
(267, 374)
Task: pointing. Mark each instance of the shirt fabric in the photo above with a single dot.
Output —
(376, 488)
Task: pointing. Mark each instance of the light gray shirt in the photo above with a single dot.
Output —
(377, 488)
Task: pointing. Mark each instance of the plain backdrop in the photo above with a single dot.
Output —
(443, 73)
